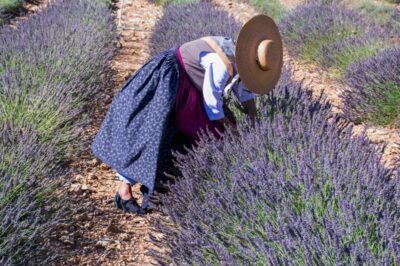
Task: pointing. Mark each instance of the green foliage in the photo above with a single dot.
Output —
(306, 29)
(10, 5)
(381, 12)
(373, 91)
(272, 8)
(342, 58)
(388, 107)
(311, 51)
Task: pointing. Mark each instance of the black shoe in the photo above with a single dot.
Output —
(146, 199)
(129, 205)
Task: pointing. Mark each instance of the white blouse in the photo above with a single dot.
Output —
(215, 78)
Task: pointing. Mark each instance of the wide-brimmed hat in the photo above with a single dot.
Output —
(259, 54)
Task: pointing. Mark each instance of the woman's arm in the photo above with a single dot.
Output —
(215, 78)
(246, 98)
(251, 108)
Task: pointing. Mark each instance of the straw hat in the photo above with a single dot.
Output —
(259, 54)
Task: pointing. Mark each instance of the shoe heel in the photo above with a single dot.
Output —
(117, 201)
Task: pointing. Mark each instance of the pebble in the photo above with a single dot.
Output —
(78, 177)
(103, 166)
(112, 228)
(124, 237)
(94, 162)
(84, 217)
(85, 187)
(98, 211)
(92, 176)
(67, 240)
(102, 243)
(74, 187)
(87, 225)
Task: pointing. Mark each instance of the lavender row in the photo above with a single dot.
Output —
(296, 189)
(344, 42)
(50, 67)
(373, 93)
(307, 27)
(333, 36)
(186, 22)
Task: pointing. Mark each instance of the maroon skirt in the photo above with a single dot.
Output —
(190, 114)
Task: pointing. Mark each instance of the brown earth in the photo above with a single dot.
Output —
(100, 234)
(292, 3)
(319, 80)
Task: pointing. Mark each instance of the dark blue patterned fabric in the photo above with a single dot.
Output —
(135, 135)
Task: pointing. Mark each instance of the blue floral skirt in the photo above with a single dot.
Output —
(136, 133)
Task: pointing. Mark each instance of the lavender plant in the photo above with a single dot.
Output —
(306, 28)
(187, 22)
(295, 189)
(337, 56)
(373, 94)
(381, 12)
(49, 69)
(28, 168)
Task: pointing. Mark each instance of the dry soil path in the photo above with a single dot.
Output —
(99, 233)
(319, 81)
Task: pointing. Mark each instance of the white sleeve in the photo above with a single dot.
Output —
(215, 78)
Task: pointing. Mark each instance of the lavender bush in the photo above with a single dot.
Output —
(49, 68)
(374, 89)
(337, 56)
(28, 168)
(379, 11)
(296, 189)
(187, 22)
(306, 28)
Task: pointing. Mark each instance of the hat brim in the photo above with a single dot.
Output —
(256, 30)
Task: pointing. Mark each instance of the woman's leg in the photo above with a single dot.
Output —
(125, 190)
(125, 186)
(124, 199)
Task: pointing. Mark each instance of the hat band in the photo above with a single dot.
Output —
(264, 51)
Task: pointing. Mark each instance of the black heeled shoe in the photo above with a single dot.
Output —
(146, 199)
(129, 205)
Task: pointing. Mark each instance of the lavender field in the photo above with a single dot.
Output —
(49, 69)
(297, 188)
